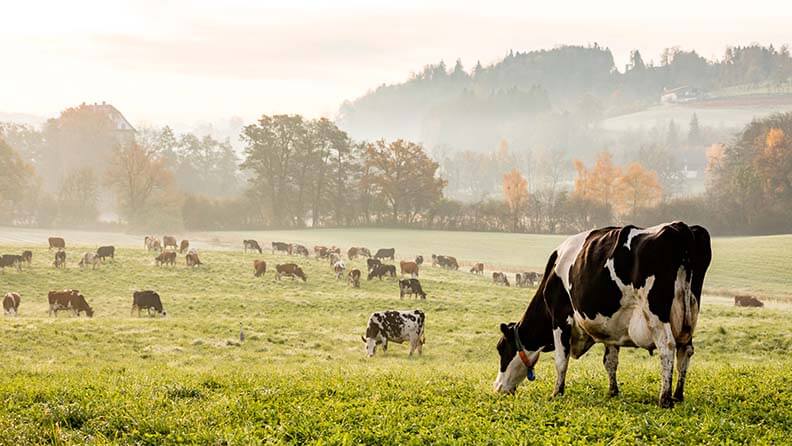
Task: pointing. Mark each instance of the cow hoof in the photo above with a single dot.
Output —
(679, 397)
(613, 392)
(666, 402)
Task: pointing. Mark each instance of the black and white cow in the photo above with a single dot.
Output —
(395, 326)
(619, 286)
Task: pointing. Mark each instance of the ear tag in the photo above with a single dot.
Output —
(531, 375)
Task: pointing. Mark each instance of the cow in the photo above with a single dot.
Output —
(619, 286)
(280, 247)
(382, 270)
(11, 260)
(334, 258)
(419, 260)
(184, 246)
(147, 300)
(57, 243)
(477, 268)
(27, 257)
(354, 253)
(290, 270)
(11, 304)
(152, 243)
(60, 259)
(525, 279)
(410, 268)
(105, 251)
(747, 301)
(165, 258)
(499, 278)
(446, 262)
(395, 326)
(353, 278)
(191, 259)
(321, 252)
(372, 264)
(89, 258)
(299, 250)
(259, 268)
(385, 253)
(251, 245)
(364, 252)
(68, 300)
(411, 287)
(169, 241)
(338, 268)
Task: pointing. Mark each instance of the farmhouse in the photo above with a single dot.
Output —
(681, 94)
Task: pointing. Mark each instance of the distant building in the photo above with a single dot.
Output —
(123, 128)
(681, 94)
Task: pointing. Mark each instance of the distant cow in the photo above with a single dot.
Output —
(526, 279)
(419, 260)
(477, 268)
(338, 268)
(89, 258)
(259, 268)
(60, 259)
(165, 258)
(105, 251)
(747, 301)
(11, 260)
(280, 247)
(68, 300)
(385, 253)
(353, 278)
(499, 278)
(372, 264)
(410, 268)
(290, 270)
(169, 241)
(11, 304)
(321, 252)
(411, 287)
(299, 250)
(382, 270)
(192, 258)
(27, 257)
(251, 245)
(395, 326)
(446, 262)
(354, 253)
(147, 300)
(152, 243)
(184, 246)
(57, 243)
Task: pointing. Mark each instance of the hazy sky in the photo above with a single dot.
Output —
(182, 61)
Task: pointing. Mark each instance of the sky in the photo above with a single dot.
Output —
(179, 62)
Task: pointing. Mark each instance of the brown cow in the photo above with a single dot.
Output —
(321, 251)
(478, 268)
(60, 259)
(290, 270)
(68, 300)
(11, 304)
(499, 278)
(184, 246)
(169, 241)
(165, 258)
(410, 268)
(353, 278)
(27, 257)
(192, 258)
(259, 268)
(353, 253)
(747, 301)
(56, 242)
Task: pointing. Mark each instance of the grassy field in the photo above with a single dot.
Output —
(301, 375)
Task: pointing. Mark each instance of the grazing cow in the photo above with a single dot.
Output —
(68, 300)
(364, 252)
(251, 245)
(525, 279)
(165, 258)
(11, 304)
(395, 326)
(333, 257)
(60, 259)
(280, 247)
(446, 262)
(89, 258)
(419, 260)
(499, 278)
(338, 268)
(372, 264)
(152, 243)
(477, 268)
(411, 287)
(147, 300)
(169, 241)
(747, 301)
(619, 286)
(27, 257)
(105, 251)
(382, 270)
(11, 260)
(299, 250)
(57, 243)
(259, 268)
(321, 252)
(192, 258)
(353, 278)
(290, 270)
(385, 253)
(410, 268)
(353, 253)
(184, 246)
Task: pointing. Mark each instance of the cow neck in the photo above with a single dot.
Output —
(534, 331)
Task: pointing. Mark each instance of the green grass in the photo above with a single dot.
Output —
(302, 377)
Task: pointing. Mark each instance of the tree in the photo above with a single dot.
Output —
(599, 183)
(638, 187)
(78, 197)
(515, 190)
(17, 182)
(636, 61)
(694, 131)
(672, 136)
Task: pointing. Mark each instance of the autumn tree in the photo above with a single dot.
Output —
(16, 183)
(638, 187)
(599, 183)
(78, 197)
(515, 191)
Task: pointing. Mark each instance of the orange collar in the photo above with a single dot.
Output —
(524, 358)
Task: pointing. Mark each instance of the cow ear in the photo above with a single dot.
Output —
(504, 329)
(362, 339)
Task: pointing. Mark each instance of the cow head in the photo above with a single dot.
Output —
(299, 273)
(373, 342)
(516, 363)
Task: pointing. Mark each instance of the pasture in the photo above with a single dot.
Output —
(301, 375)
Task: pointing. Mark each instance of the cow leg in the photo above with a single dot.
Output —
(664, 340)
(683, 355)
(611, 361)
(561, 341)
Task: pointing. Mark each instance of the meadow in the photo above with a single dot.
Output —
(301, 375)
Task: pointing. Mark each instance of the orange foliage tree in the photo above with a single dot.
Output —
(600, 182)
(638, 187)
(515, 189)
(774, 163)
